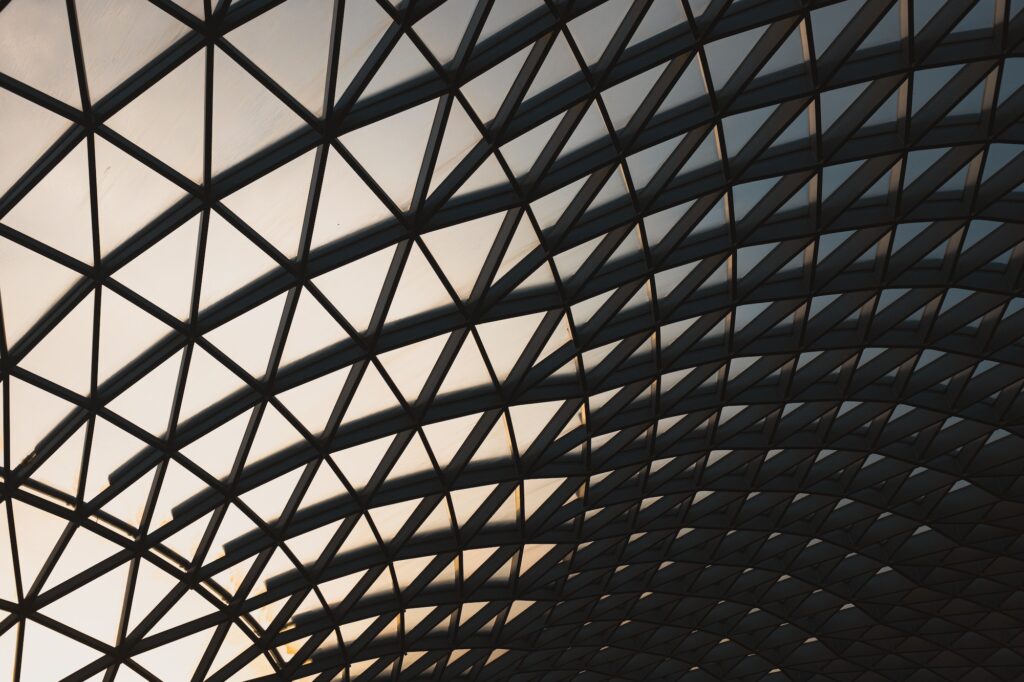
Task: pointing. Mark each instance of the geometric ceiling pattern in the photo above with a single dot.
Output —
(537, 340)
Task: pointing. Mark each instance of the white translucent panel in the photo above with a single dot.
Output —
(487, 91)
(130, 504)
(130, 195)
(365, 276)
(8, 587)
(324, 486)
(312, 329)
(409, 366)
(62, 467)
(93, 608)
(419, 290)
(559, 65)
(56, 211)
(29, 285)
(249, 338)
(164, 272)
(178, 486)
(568, 263)
(372, 396)
(360, 537)
(401, 136)
(468, 500)
(28, 131)
(741, 128)
(37, 532)
(64, 356)
(442, 30)
(788, 55)
(275, 204)
(234, 524)
(460, 136)
(591, 361)
(613, 189)
(409, 570)
(166, 120)
(529, 420)
(176, 660)
(467, 371)
(644, 165)
(549, 208)
(392, 518)
(560, 337)
(350, 632)
(688, 88)
(208, 381)
(246, 116)
(658, 225)
(347, 204)
(661, 16)
(488, 174)
(147, 401)
(185, 542)
(505, 340)
(291, 43)
(382, 585)
(231, 262)
(274, 433)
(359, 463)
(537, 492)
(112, 447)
(532, 553)
(363, 25)
(38, 661)
(35, 47)
(337, 590)
(234, 643)
(725, 56)
(504, 14)
(312, 403)
(119, 38)
(496, 446)
(151, 585)
(521, 153)
(445, 438)
(594, 29)
(125, 332)
(413, 461)
(460, 250)
(828, 23)
(630, 248)
(269, 499)
(623, 100)
(918, 161)
(835, 103)
(215, 452)
(403, 63)
(33, 414)
(193, 6)
(524, 241)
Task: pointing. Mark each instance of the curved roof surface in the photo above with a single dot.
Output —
(527, 340)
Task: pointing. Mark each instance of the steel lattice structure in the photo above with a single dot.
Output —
(512, 340)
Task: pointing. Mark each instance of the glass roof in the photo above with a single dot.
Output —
(517, 340)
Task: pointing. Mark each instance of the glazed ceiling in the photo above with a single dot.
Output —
(511, 340)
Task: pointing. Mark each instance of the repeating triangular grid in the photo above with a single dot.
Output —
(512, 340)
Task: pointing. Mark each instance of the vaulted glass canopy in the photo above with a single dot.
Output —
(511, 339)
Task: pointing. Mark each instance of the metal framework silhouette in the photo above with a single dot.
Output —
(526, 340)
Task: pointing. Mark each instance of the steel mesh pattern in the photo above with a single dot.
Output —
(512, 340)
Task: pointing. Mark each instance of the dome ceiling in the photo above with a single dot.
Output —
(527, 340)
